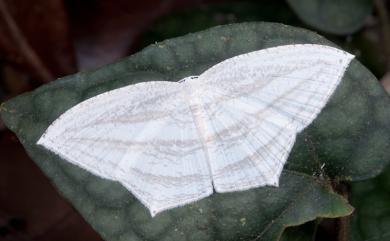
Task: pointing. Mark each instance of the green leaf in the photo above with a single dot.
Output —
(196, 19)
(349, 136)
(333, 16)
(372, 201)
(305, 232)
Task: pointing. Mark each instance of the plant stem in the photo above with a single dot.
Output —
(28, 53)
(343, 222)
(383, 15)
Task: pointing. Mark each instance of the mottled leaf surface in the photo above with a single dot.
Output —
(348, 140)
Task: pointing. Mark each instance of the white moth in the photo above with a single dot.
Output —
(228, 129)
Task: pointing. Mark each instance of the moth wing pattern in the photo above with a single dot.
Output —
(230, 129)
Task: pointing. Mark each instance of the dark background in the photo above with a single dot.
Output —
(42, 40)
